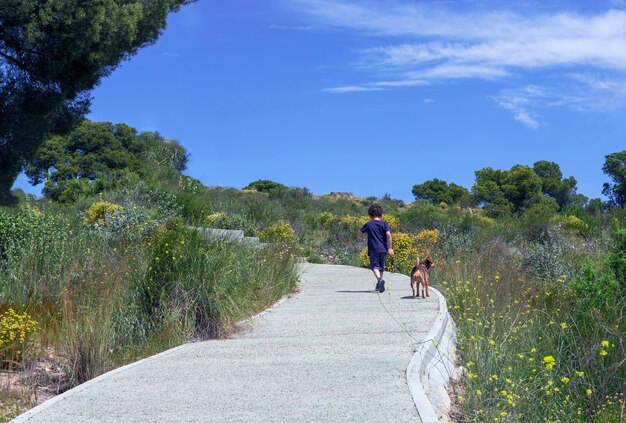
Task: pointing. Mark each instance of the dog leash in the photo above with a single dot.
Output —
(415, 343)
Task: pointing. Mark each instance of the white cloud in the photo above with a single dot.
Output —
(519, 101)
(428, 100)
(293, 27)
(597, 95)
(350, 89)
(438, 43)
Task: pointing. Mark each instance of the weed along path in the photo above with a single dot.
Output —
(335, 351)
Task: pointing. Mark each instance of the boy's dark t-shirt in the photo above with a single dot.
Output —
(376, 231)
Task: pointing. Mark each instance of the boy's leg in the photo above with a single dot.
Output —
(375, 266)
(381, 281)
(377, 273)
(377, 262)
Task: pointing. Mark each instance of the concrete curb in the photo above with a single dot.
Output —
(24, 417)
(432, 367)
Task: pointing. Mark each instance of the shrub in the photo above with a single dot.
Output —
(236, 222)
(617, 258)
(422, 215)
(572, 223)
(485, 221)
(427, 238)
(211, 219)
(132, 223)
(99, 212)
(18, 227)
(545, 207)
(351, 223)
(499, 208)
(547, 261)
(30, 239)
(455, 242)
(141, 211)
(281, 233)
(393, 221)
(326, 220)
(15, 330)
(595, 284)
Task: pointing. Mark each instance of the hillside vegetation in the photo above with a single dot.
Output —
(105, 269)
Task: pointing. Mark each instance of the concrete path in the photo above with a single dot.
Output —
(334, 352)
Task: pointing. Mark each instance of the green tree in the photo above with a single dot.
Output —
(52, 53)
(91, 158)
(434, 190)
(595, 206)
(437, 191)
(615, 168)
(553, 184)
(487, 187)
(265, 185)
(98, 156)
(520, 186)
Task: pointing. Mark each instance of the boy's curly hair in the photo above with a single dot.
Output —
(375, 210)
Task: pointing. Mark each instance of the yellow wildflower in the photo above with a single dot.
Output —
(549, 361)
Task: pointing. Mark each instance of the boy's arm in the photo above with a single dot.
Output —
(389, 243)
(360, 232)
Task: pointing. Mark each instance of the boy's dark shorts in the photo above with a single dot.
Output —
(377, 261)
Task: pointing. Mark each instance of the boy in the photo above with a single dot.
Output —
(378, 243)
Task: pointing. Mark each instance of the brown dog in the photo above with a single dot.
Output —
(419, 275)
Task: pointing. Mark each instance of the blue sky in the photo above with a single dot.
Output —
(373, 97)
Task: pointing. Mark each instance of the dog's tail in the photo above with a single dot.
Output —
(417, 262)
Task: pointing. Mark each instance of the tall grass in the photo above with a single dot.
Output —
(534, 349)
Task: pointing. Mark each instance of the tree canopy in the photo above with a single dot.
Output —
(52, 53)
(615, 168)
(507, 190)
(265, 185)
(437, 191)
(563, 190)
(96, 156)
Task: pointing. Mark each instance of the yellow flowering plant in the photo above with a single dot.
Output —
(15, 331)
(327, 219)
(281, 233)
(211, 219)
(98, 211)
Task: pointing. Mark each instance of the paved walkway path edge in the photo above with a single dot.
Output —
(432, 367)
(52, 401)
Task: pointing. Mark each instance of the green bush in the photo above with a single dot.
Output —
(326, 219)
(236, 221)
